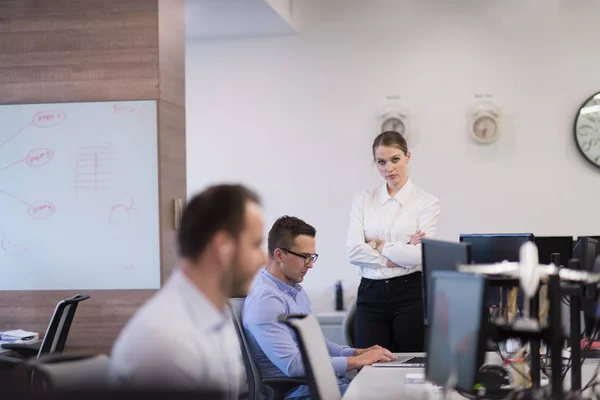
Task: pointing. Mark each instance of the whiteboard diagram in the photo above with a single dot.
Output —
(79, 196)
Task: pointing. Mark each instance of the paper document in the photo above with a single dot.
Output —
(16, 334)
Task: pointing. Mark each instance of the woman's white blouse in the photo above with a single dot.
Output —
(375, 215)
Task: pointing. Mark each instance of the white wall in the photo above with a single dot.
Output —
(294, 117)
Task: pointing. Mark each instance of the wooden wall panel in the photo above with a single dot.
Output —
(96, 50)
(171, 120)
(45, 45)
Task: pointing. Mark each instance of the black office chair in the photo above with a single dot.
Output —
(56, 334)
(348, 324)
(258, 388)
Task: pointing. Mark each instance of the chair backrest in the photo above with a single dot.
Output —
(60, 324)
(348, 324)
(317, 364)
(252, 373)
(69, 372)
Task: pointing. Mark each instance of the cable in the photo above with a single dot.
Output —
(597, 370)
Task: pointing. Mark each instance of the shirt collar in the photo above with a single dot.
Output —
(197, 303)
(293, 289)
(402, 195)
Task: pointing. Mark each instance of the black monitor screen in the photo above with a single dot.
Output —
(455, 343)
(586, 250)
(440, 256)
(495, 248)
(554, 244)
(592, 253)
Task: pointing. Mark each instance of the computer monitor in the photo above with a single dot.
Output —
(490, 248)
(438, 255)
(555, 244)
(586, 250)
(458, 317)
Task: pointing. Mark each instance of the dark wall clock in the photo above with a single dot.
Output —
(586, 130)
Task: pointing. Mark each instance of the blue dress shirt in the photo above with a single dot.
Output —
(273, 345)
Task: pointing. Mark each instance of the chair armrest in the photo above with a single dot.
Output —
(9, 362)
(283, 384)
(25, 350)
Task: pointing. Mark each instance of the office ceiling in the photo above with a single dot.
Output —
(222, 19)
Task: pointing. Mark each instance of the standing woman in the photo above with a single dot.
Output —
(384, 243)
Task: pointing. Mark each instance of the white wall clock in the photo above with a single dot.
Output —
(395, 118)
(483, 122)
(587, 130)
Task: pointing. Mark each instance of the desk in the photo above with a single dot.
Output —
(387, 383)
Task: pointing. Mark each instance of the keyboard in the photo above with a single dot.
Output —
(415, 360)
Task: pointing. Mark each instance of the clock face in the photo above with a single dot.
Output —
(485, 129)
(587, 130)
(393, 124)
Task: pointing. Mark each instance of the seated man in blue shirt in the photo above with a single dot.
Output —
(276, 291)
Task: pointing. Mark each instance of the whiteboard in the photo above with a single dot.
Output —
(79, 196)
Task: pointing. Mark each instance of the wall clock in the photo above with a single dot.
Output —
(586, 130)
(483, 123)
(393, 124)
(395, 118)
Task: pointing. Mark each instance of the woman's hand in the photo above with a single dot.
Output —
(416, 238)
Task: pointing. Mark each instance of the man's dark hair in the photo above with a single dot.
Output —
(215, 208)
(285, 230)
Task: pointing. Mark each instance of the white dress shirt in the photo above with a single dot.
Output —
(179, 340)
(375, 215)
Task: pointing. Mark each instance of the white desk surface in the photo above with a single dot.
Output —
(387, 383)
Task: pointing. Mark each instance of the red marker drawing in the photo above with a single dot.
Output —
(46, 119)
(37, 210)
(17, 249)
(42, 119)
(35, 158)
(125, 109)
(123, 212)
(94, 168)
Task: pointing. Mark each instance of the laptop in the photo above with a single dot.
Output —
(406, 361)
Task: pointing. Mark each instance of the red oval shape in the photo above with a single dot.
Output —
(38, 157)
(41, 210)
(45, 119)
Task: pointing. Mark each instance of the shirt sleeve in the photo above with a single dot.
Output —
(275, 339)
(336, 350)
(359, 252)
(408, 255)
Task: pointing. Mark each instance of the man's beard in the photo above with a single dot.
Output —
(234, 282)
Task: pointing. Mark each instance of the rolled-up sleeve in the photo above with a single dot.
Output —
(408, 255)
(359, 252)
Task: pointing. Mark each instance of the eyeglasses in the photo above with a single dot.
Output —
(308, 258)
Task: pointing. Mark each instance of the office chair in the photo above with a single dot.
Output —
(56, 334)
(322, 380)
(69, 372)
(348, 324)
(258, 388)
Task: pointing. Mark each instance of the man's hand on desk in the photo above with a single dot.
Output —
(358, 352)
(369, 356)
